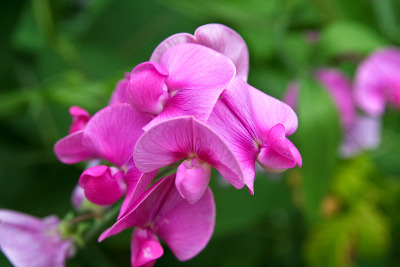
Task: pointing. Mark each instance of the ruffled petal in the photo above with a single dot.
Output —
(240, 139)
(179, 38)
(197, 77)
(279, 153)
(70, 149)
(192, 178)
(146, 90)
(145, 248)
(182, 137)
(103, 185)
(228, 42)
(113, 131)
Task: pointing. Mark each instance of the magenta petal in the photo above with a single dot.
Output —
(228, 42)
(103, 185)
(145, 248)
(377, 81)
(241, 139)
(119, 94)
(182, 137)
(179, 38)
(79, 119)
(70, 149)
(186, 228)
(197, 77)
(192, 178)
(146, 90)
(113, 131)
(279, 153)
(136, 184)
(31, 242)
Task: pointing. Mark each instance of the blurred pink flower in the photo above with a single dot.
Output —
(161, 211)
(28, 241)
(377, 81)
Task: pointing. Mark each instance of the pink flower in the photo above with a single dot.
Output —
(215, 36)
(201, 147)
(32, 242)
(111, 134)
(187, 81)
(377, 81)
(119, 94)
(359, 132)
(162, 212)
(79, 119)
(255, 126)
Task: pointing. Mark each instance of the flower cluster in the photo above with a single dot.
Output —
(190, 106)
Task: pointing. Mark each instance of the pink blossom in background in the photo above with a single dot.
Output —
(377, 81)
(360, 132)
(215, 36)
(200, 147)
(255, 126)
(161, 212)
(28, 241)
(119, 94)
(79, 119)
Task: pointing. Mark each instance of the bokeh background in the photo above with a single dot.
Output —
(331, 212)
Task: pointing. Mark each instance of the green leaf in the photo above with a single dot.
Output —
(346, 37)
(319, 134)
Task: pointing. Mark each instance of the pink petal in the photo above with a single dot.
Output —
(179, 38)
(103, 185)
(192, 178)
(70, 149)
(146, 90)
(113, 131)
(197, 77)
(136, 184)
(279, 153)
(375, 79)
(186, 228)
(365, 134)
(142, 211)
(119, 94)
(269, 111)
(339, 86)
(240, 139)
(79, 119)
(30, 242)
(228, 42)
(182, 137)
(145, 248)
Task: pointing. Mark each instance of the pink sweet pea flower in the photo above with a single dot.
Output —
(161, 212)
(256, 125)
(32, 242)
(201, 147)
(187, 81)
(215, 36)
(111, 134)
(359, 132)
(79, 119)
(377, 81)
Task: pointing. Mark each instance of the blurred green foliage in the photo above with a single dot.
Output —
(55, 54)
